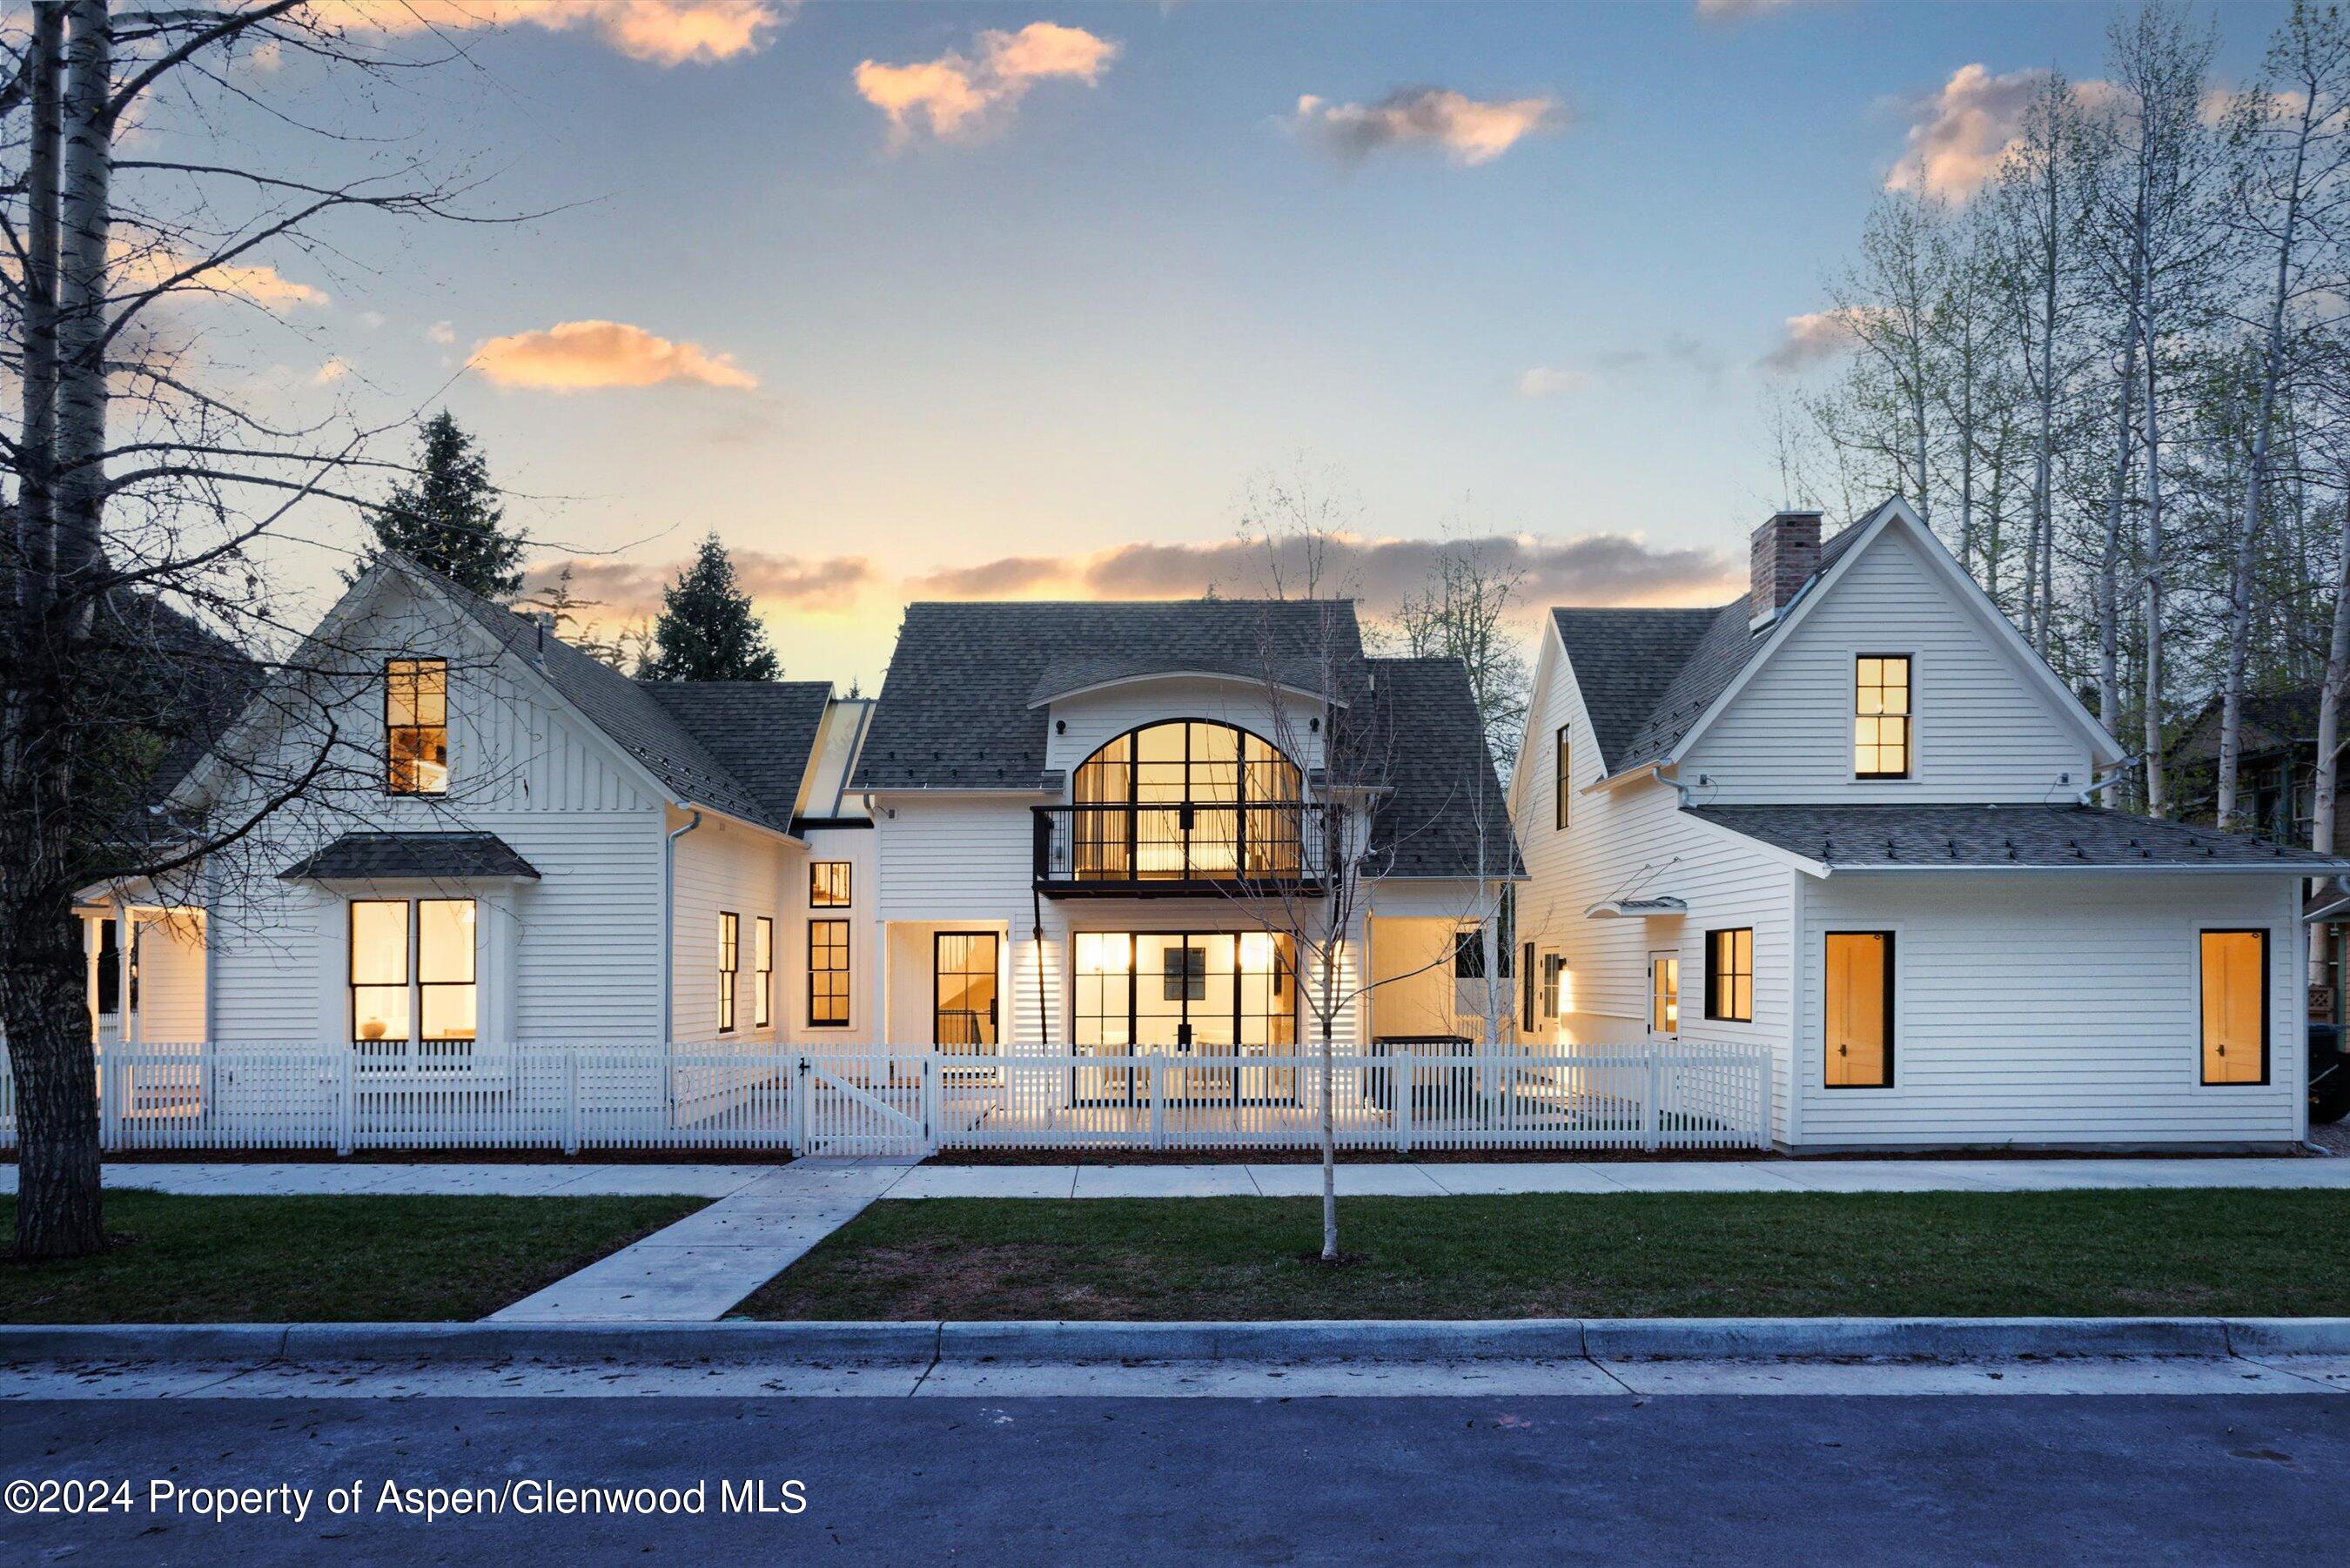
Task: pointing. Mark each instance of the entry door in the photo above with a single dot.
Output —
(964, 991)
(1664, 995)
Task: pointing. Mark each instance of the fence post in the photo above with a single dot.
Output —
(346, 1090)
(800, 1090)
(571, 1100)
(1158, 1060)
(1404, 1064)
(1654, 1081)
(930, 1108)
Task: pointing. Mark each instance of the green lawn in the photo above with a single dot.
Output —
(1698, 1255)
(270, 1260)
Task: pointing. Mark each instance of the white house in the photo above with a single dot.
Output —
(1061, 826)
(1843, 818)
(509, 841)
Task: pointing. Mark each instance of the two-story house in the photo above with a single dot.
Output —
(1104, 827)
(1845, 818)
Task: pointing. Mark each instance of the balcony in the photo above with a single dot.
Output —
(1174, 850)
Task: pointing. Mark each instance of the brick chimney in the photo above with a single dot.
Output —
(1786, 554)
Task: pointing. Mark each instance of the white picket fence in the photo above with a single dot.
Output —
(907, 1102)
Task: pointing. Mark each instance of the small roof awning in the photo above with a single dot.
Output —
(1636, 909)
(2037, 837)
(449, 856)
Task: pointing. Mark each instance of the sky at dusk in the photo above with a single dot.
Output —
(914, 301)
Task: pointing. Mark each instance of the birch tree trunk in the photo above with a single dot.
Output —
(2156, 800)
(2109, 587)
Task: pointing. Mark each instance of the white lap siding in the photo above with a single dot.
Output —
(1982, 729)
(2058, 1007)
(723, 866)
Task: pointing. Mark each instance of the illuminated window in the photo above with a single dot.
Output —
(1664, 993)
(1554, 971)
(762, 969)
(829, 884)
(1729, 975)
(730, 966)
(416, 726)
(1563, 781)
(413, 980)
(828, 974)
(1880, 723)
(1187, 799)
(2235, 1007)
(1859, 1009)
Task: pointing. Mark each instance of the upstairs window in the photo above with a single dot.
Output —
(416, 726)
(1729, 975)
(1880, 716)
(829, 884)
(1563, 781)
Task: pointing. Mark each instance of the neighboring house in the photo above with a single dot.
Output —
(2276, 768)
(1060, 826)
(512, 842)
(1841, 817)
(1085, 816)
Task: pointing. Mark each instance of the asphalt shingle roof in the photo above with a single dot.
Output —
(449, 856)
(955, 709)
(668, 738)
(1923, 838)
(761, 732)
(1441, 776)
(1646, 675)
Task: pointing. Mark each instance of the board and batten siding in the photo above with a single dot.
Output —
(1984, 731)
(2060, 1008)
(1633, 841)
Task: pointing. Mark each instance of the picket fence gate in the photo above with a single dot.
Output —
(909, 1102)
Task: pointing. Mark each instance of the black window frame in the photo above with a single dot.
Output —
(1716, 970)
(1892, 988)
(1909, 717)
(763, 972)
(412, 925)
(2267, 1011)
(417, 661)
(730, 970)
(827, 927)
(1562, 771)
(820, 879)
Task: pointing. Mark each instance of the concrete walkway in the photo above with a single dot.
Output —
(696, 1269)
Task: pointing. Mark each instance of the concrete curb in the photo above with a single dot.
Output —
(1536, 1339)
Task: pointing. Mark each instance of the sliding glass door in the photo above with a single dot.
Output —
(1187, 994)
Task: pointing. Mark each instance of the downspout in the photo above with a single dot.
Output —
(668, 922)
(1036, 934)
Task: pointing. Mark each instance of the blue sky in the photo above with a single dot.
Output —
(1085, 318)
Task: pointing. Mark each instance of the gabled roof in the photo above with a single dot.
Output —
(955, 709)
(762, 733)
(2270, 720)
(1843, 839)
(1440, 777)
(1654, 672)
(672, 736)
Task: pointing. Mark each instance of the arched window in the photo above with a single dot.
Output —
(1186, 799)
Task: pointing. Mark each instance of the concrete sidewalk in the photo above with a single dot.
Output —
(1437, 1180)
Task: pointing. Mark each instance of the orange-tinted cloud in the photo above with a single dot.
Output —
(582, 356)
(146, 267)
(957, 95)
(1468, 130)
(665, 32)
(625, 591)
(1812, 337)
(1963, 131)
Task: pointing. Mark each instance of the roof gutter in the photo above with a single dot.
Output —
(669, 921)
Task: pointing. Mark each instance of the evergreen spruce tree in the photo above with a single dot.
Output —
(448, 518)
(707, 629)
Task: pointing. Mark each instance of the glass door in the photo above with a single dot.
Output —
(964, 991)
(1185, 994)
(1664, 995)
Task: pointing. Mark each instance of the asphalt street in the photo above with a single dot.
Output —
(2024, 1479)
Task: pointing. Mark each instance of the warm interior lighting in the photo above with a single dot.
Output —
(2235, 1009)
(1256, 952)
(1105, 952)
(1859, 1012)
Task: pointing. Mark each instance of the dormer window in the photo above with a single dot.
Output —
(416, 726)
(1881, 714)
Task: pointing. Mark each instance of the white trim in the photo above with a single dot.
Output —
(1256, 682)
(2103, 747)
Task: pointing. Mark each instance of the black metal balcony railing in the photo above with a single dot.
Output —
(1178, 846)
